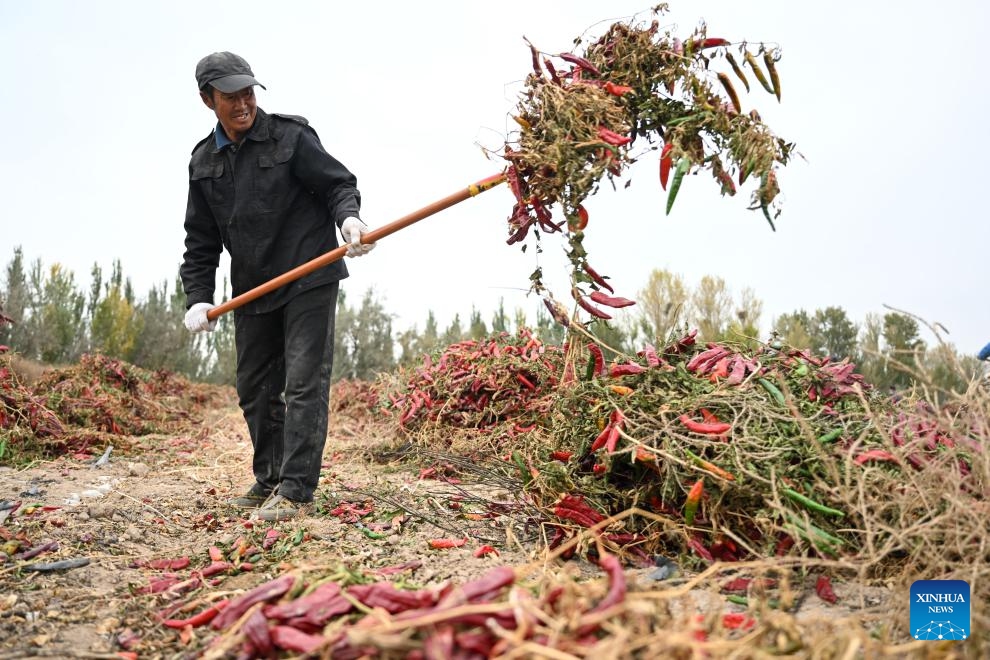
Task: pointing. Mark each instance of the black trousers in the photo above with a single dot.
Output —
(284, 360)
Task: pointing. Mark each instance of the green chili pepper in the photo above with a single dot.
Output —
(371, 534)
(772, 390)
(738, 600)
(683, 163)
(811, 504)
(830, 436)
(523, 470)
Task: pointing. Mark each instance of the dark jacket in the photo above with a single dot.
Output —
(274, 202)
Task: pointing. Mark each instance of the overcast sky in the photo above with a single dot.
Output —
(886, 100)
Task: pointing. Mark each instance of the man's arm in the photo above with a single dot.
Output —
(203, 246)
(326, 176)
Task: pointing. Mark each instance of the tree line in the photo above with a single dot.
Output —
(57, 319)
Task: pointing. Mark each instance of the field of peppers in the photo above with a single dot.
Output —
(753, 454)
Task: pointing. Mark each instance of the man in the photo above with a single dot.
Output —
(263, 187)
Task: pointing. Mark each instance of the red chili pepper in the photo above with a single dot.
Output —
(735, 620)
(599, 358)
(216, 554)
(700, 549)
(611, 301)
(823, 587)
(562, 456)
(617, 90)
(485, 550)
(613, 438)
(168, 564)
(693, 500)
(629, 369)
(728, 185)
(875, 455)
(649, 353)
(613, 138)
(666, 163)
(290, 639)
(602, 438)
(581, 62)
(216, 567)
(264, 592)
(552, 71)
(200, 618)
(591, 309)
(525, 381)
(712, 428)
(598, 279)
(446, 544)
(710, 42)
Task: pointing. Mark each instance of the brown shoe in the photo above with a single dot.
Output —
(279, 508)
(251, 499)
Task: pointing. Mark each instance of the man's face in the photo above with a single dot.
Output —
(235, 111)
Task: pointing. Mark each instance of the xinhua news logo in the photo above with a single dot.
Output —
(940, 609)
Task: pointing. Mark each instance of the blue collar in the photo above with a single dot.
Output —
(221, 138)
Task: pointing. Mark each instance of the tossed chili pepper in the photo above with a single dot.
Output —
(580, 62)
(683, 163)
(728, 185)
(611, 301)
(693, 500)
(562, 456)
(621, 390)
(591, 309)
(617, 90)
(736, 69)
(754, 65)
(708, 428)
(731, 91)
(169, 564)
(700, 549)
(708, 42)
(264, 592)
(598, 279)
(666, 162)
(772, 70)
(613, 138)
(485, 550)
(811, 504)
(601, 439)
(200, 618)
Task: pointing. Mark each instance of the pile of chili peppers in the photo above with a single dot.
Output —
(505, 381)
(73, 410)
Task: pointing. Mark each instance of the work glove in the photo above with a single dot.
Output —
(351, 229)
(196, 320)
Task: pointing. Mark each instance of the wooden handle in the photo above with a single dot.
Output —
(369, 237)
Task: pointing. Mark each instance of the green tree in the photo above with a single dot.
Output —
(794, 330)
(164, 342)
(835, 335)
(373, 346)
(343, 357)
(500, 320)
(16, 302)
(746, 325)
(662, 305)
(711, 306)
(903, 348)
(115, 325)
(60, 314)
(454, 332)
(477, 329)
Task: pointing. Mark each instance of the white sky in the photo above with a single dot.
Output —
(887, 101)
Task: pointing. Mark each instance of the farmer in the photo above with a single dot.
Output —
(263, 187)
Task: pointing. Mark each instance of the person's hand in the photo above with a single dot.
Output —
(351, 229)
(196, 320)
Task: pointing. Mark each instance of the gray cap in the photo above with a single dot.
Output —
(225, 71)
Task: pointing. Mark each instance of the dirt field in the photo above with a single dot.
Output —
(164, 499)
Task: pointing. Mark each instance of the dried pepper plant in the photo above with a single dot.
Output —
(637, 89)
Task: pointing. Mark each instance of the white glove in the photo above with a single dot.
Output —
(351, 229)
(196, 320)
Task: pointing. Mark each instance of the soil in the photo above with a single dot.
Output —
(166, 497)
